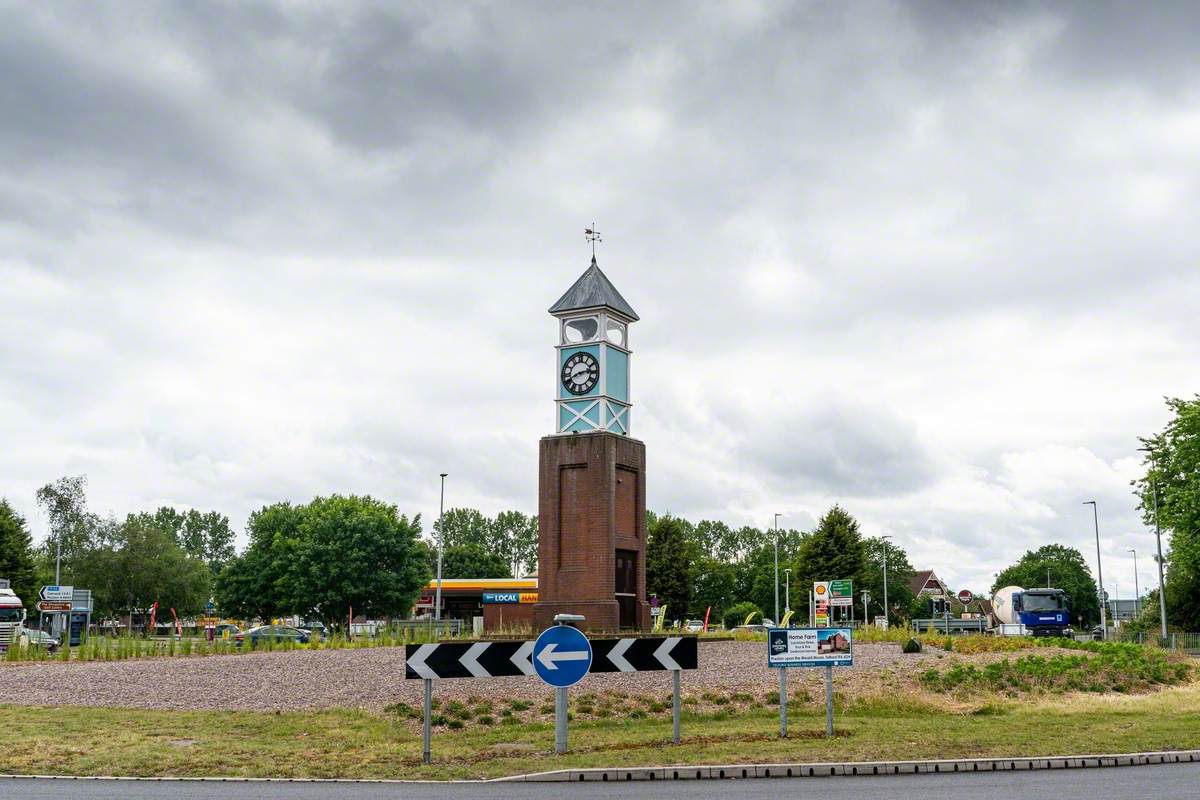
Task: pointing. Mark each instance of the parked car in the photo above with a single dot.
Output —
(316, 630)
(273, 633)
(694, 625)
(227, 630)
(36, 638)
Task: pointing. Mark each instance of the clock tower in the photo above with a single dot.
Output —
(591, 473)
(593, 355)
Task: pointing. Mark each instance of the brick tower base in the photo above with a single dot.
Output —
(592, 531)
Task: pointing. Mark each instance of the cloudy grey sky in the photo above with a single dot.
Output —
(933, 261)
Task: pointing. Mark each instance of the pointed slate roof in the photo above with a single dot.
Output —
(593, 290)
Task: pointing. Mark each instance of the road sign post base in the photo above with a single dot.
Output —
(782, 702)
(676, 704)
(560, 720)
(829, 702)
(427, 753)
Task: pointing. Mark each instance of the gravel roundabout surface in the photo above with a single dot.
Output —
(373, 678)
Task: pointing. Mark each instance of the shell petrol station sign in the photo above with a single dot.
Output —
(821, 604)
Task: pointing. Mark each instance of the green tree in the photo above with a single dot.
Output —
(463, 526)
(1173, 469)
(16, 555)
(715, 541)
(833, 551)
(254, 584)
(736, 614)
(1068, 571)
(715, 587)
(514, 536)
(899, 572)
(206, 536)
(141, 563)
(465, 561)
(354, 552)
(756, 579)
(73, 528)
(669, 565)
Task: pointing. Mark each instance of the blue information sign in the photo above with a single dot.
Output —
(562, 656)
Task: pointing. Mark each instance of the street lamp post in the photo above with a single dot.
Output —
(787, 590)
(777, 516)
(1162, 589)
(1137, 592)
(1099, 571)
(885, 600)
(437, 601)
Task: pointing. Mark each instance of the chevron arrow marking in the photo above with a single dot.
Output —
(617, 655)
(521, 658)
(470, 658)
(417, 662)
(663, 653)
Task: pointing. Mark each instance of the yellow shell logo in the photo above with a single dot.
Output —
(820, 589)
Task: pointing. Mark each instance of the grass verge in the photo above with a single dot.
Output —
(360, 744)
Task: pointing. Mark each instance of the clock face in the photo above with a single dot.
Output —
(580, 373)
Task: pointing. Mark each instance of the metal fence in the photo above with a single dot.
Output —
(1175, 642)
(445, 627)
(949, 626)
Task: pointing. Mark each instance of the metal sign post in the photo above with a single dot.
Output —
(675, 673)
(427, 752)
(561, 656)
(829, 701)
(808, 647)
(783, 702)
(560, 720)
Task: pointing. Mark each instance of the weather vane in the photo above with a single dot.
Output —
(593, 236)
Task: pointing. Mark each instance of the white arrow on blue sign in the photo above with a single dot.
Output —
(562, 656)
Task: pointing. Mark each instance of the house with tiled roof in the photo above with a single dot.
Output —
(926, 582)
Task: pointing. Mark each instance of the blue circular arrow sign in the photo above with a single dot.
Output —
(562, 656)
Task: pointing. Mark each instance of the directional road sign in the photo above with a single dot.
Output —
(513, 659)
(52, 605)
(57, 594)
(841, 593)
(562, 656)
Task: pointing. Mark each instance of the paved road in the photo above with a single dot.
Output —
(1113, 783)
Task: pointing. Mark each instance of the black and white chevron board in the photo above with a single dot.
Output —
(509, 659)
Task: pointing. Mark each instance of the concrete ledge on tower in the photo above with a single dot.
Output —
(599, 615)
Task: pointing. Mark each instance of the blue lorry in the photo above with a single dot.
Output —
(1044, 612)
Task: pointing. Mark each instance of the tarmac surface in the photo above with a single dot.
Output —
(1108, 783)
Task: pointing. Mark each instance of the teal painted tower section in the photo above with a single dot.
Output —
(593, 355)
